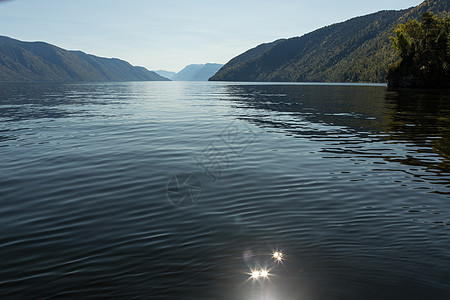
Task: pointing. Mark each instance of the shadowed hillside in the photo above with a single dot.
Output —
(38, 61)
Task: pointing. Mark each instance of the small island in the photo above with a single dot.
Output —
(424, 51)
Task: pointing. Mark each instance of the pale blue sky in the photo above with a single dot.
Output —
(170, 34)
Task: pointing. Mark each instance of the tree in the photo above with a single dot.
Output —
(424, 51)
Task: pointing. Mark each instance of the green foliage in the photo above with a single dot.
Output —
(424, 51)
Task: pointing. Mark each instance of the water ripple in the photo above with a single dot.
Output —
(351, 182)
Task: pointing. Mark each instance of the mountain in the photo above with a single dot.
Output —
(166, 74)
(358, 50)
(39, 61)
(197, 72)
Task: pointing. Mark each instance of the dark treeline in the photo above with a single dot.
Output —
(424, 51)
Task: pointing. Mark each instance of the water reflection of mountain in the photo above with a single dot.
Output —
(23, 101)
(423, 118)
(363, 122)
(355, 107)
(25, 105)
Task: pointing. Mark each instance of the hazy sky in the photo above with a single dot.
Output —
(170, 34)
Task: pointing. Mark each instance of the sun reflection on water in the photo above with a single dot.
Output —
(264, 267)
(278, 255)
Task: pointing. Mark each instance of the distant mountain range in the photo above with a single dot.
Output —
(357, 50)
(166, 74)
(198, 72)
(39, 61)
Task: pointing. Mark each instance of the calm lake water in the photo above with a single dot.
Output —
(176, 190)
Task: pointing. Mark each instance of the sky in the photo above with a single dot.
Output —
(170, 34)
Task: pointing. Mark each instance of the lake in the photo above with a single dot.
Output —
(178, 190)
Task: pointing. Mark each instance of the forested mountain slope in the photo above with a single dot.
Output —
(357, 50)
(39, 61)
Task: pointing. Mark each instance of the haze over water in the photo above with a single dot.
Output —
(177, 190)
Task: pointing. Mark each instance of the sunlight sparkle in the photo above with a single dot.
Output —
(255, 274)
(278, 255)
